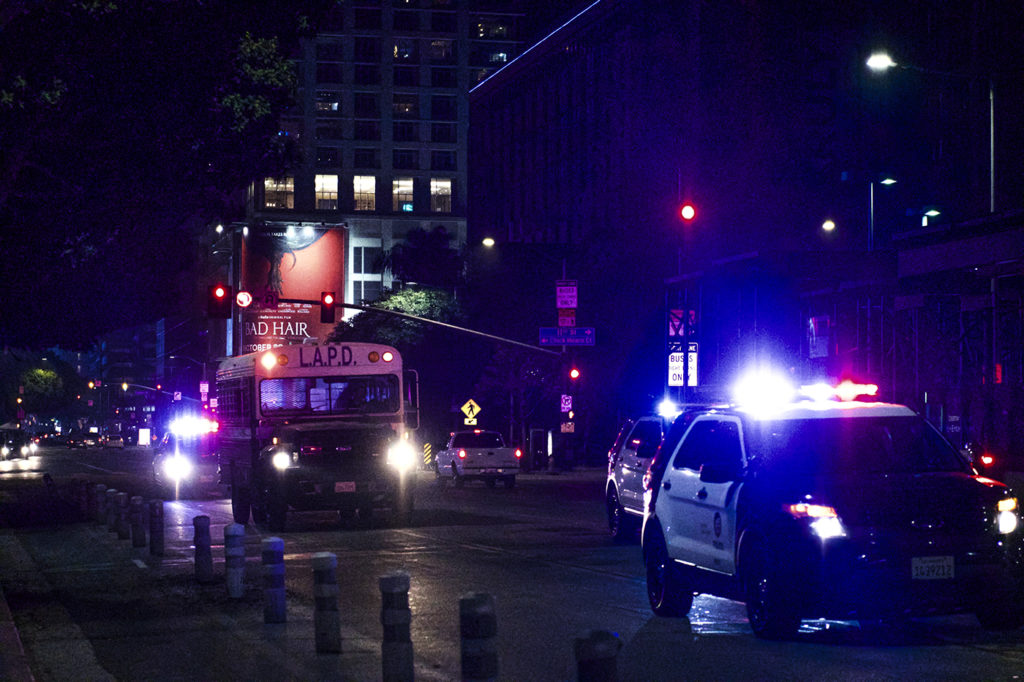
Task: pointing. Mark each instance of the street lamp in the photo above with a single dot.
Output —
(880, 62)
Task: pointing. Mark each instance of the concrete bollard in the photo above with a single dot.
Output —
(110, 509)
(156, 527)
(326, 619)
(122, 526)
(234, 559)
(204, 554)
(396, 617)
(138, 529)
(596, 656)
(273, 581)
(478, 627)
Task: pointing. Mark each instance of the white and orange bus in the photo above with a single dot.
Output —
(317, 427)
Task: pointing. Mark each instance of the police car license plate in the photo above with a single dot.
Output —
(345, 486)
(931, 567)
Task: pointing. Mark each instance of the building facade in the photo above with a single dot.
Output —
(381, 135)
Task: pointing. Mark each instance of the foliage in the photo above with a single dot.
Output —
(403, 334)
(44, 389)
(127, 127)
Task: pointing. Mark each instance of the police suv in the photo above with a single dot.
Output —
(827, 508)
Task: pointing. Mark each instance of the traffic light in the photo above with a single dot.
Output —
(218, 302)
(574, 373)
(688, 212)
(327, 306)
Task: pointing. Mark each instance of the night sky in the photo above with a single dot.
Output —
(116, 153)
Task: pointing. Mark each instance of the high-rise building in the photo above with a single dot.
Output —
(381, 132)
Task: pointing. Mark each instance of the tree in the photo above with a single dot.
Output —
(127, 127)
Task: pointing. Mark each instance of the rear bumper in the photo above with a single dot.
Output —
(847, 583)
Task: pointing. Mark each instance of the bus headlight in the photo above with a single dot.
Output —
(401, 456)
(177, 468)
(281, 460)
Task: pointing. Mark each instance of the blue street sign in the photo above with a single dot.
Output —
(567, 336)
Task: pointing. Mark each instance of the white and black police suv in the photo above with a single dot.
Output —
(829, 507)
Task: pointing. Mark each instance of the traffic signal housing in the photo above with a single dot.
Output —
(218, 302)
(327, 305)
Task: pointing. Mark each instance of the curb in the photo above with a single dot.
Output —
(13, 660)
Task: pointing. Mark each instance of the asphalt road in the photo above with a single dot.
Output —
(89, 606)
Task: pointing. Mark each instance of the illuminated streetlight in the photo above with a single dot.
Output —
(880, 62)
(488, 242)
(828, 225)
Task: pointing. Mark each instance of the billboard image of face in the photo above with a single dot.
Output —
(296, 264)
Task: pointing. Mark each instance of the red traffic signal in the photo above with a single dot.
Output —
(688, 212)
(574, 373)
(327, 304)
(218, 302)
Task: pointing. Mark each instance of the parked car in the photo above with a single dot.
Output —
(113, 440)
(477, 455)
(827, 508)
(82, 439)
(628, 461)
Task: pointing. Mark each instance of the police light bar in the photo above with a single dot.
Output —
(193, 426)
(846, 391)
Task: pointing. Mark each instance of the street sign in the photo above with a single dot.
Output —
(567, 336)
(471, 410)
(565, 293)
(568, 427)
(566, 317)
(676, 368)
(566, 403)
(469, 421)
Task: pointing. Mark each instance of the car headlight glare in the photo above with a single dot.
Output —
(5, 451)
(24, 451)
(177, 468)
(281, 460)
(401, 456)
(1006, 522)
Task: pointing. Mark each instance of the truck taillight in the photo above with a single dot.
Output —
(519, 453)
(462, 454)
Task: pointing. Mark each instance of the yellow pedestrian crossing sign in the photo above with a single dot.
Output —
(471, 409)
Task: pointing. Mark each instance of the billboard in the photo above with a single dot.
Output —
(296, 263)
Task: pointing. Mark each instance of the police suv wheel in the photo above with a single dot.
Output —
(769, 606)
(510, 481)
(618, 525)
(459, 481)
(668, 592)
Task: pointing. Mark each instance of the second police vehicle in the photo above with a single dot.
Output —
(317, 427)
(827, 507)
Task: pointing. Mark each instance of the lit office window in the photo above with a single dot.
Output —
(440, 195)
(401, 194)
(327, 192)
(364, 189)
(279, 192)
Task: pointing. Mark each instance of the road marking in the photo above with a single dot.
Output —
(140, 563)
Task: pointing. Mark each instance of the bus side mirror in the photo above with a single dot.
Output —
(411, 380)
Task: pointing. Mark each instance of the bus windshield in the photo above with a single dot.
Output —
(331, 395)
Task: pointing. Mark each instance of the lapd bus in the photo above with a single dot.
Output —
(317, 427)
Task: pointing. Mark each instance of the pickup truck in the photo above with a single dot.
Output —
(477, 454)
